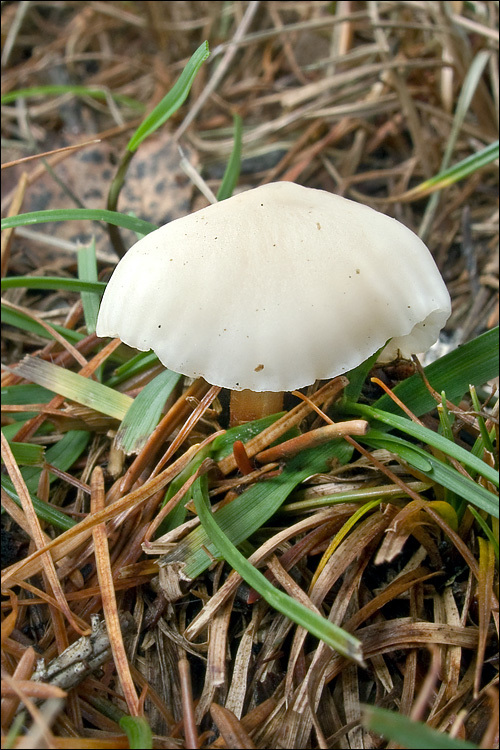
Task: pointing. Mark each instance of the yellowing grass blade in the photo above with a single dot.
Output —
(75, 387)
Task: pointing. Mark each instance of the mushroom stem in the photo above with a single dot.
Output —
(245, 406)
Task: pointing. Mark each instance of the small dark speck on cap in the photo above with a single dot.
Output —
(258, 368)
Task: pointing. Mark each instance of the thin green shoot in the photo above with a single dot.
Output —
(337, 638)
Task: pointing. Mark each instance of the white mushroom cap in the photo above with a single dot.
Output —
(274, 288)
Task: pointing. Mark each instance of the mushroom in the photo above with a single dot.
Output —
(274, 288)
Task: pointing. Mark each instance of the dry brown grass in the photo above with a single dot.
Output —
(352, 97)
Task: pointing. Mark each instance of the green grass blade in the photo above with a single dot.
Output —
(436, 470)
(469, 88)
(445, 418)
(133, 366)
(9, 431)
(486, 531)
(27, 454)
(15, 731)
(53, 282)
(357, 377)
(59, 89)
(221, 447)
(333, 635)
(178, 514)
(138, 731)
(75, 387)
(173, 100)
(384, 493)
(144, 412)
(467, 92)
(250, 510)
(25, 394)
(21, 320)
(87, 271)
(474, 363)
(68, 214)
(455, 173)
(232, 172)
(485, 441)
(62, 455)
(429, 437)
(43, 511)
(408, 733)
